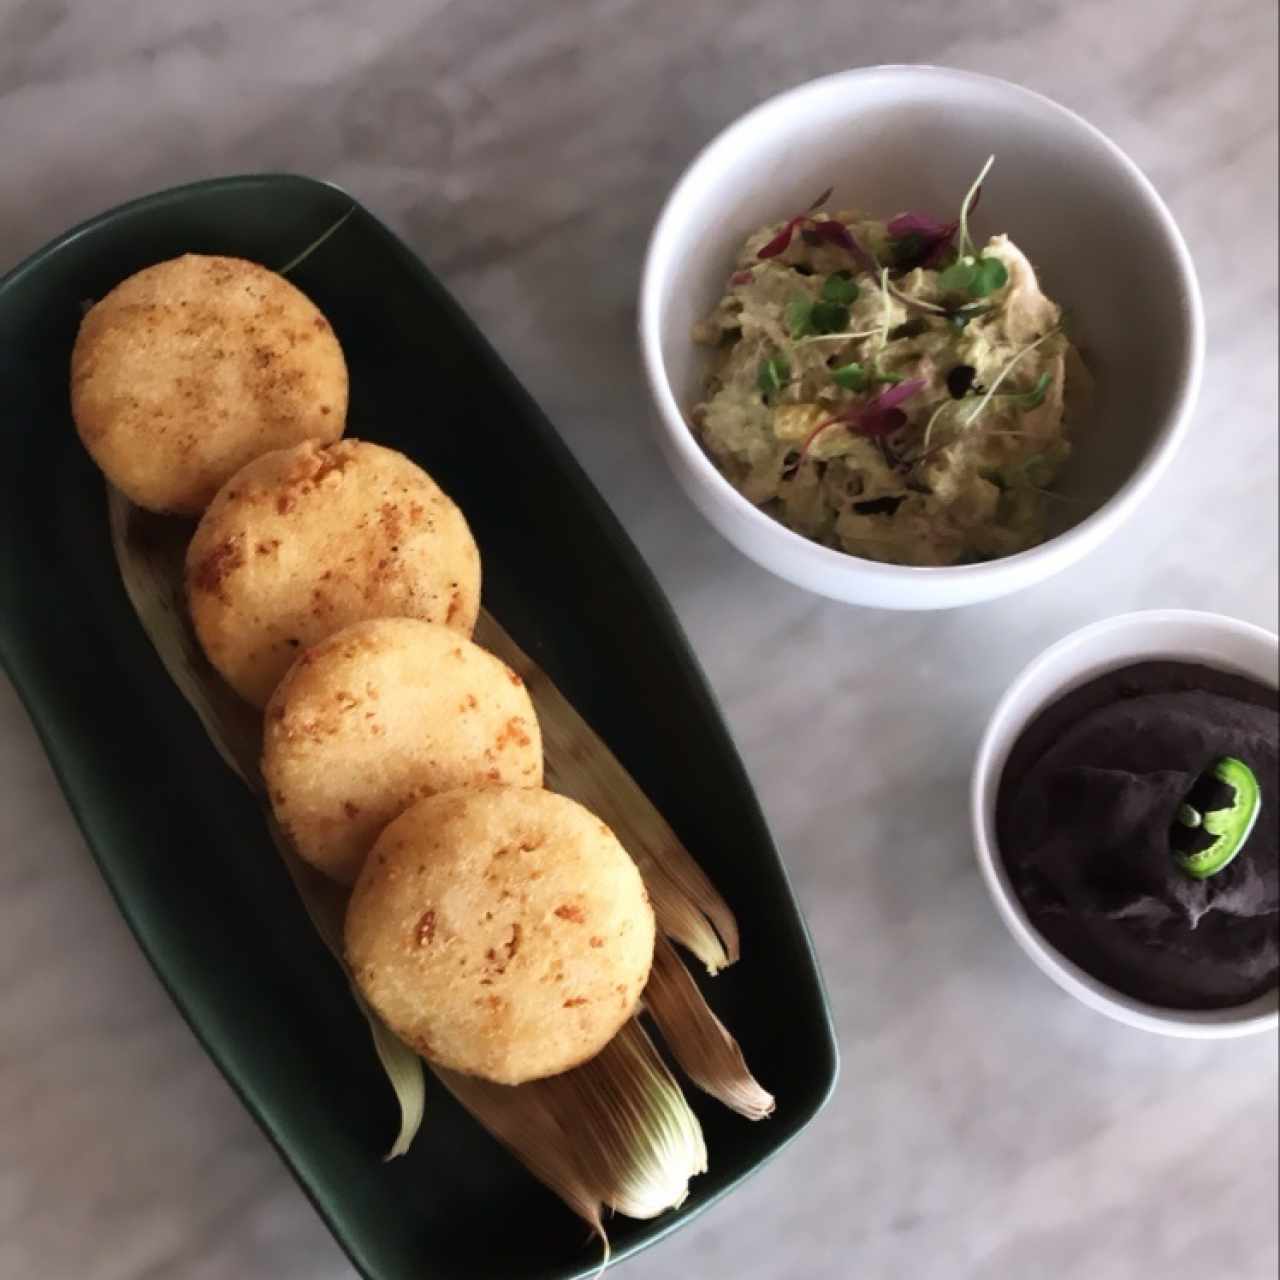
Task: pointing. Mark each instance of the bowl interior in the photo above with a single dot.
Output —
(1183, 636)
(894, 138)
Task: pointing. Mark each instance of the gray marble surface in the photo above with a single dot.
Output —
(985, 1125)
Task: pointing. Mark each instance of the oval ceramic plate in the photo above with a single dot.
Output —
(182, 844)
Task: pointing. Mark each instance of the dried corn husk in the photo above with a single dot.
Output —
(698, 1040)
(616, 1132)
(581, 766)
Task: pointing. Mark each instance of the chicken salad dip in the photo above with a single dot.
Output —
(890, 388)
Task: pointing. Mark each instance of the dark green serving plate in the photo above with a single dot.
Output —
(181, 843)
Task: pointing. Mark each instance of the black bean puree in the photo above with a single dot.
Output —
(1083, 817)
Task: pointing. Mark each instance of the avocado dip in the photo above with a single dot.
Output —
(1137, 819)
(890, 388)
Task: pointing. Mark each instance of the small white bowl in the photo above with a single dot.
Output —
(893, 138)
(1176, 634)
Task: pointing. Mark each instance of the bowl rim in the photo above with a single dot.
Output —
(816, 561)
(1261, 1014)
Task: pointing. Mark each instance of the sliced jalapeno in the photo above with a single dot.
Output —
(1216, 818)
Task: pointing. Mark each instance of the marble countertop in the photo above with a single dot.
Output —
(985, 1125)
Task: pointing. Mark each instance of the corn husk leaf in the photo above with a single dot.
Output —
(150, 551)
(580, 765)
(644, 1142)
(615, 1132)
(698, 1040)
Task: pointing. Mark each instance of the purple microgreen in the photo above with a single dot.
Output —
(896, 395)
(840, 287)
(874, 418)
(878, 423)
(821, 429)
(816, 231)
(817, 204)
(881, 416)
(919, 240)
(781, 242)
(831, 231)
(773, 375)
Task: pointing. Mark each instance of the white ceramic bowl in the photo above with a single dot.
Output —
(1116, 642)
(892, 138)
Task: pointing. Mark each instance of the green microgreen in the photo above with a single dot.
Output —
(1009, 367)
(1034, 398)
(828, 317)
(774, 374)
(976, 275)
(798, 315)
(840, 288)
(837, 337)
(887, 322)
(966, 205)
(857, 377)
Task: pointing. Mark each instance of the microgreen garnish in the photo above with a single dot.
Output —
(852, 377)
(887, 322)
(805, 316)
(925, 451)
(797, 315)
(837, 337)
(816, 231)
(857, 377)
(840, 287)
(828, 317)
(960, 317)
(977, 276)
(1042, 385)
(1035, 397)
(919, 240)
(1004, 373)
(972, 272)
(874, 418)
(882, 417)
(968, 205)
(773, 374)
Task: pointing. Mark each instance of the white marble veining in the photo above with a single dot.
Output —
(985, 1124)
